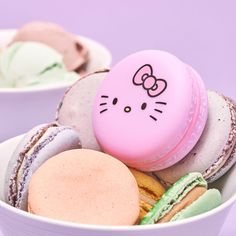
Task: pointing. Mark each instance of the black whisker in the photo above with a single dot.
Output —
(158, 110)
(103, 111)
(102, 104)
(154, 118)
(104, 96)
(162, 103)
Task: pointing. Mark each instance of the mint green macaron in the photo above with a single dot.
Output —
(182, 201)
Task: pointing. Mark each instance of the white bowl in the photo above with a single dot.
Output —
(21, 109)
(14, 222)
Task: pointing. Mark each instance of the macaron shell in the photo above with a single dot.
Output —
(174, 195)
(25, 142)
(75, 108)
(53, 141)
(228, 157)
(144, 139)
(150, 191)
(196, 124)
(85, 186)
(225, 168)
(208, 201)
(203, 155)
(65, 139)
(149, 184)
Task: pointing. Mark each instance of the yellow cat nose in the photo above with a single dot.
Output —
(127, 109)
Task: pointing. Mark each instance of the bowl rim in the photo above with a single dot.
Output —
(45, 88)
(44, 220)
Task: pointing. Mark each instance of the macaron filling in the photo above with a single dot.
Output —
(192, 196)
(24, 172)
(229, 150)
(36, 149)
(175, 195)
(150, 191)
(13, 189)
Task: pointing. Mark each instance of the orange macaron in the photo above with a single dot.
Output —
(85, 186)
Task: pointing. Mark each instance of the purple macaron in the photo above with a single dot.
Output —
(75, 109)
(37, 146)
(214, 154)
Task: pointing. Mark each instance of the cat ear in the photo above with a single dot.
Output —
(142, 73)
(158, 88)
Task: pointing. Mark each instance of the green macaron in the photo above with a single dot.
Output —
(186, 198)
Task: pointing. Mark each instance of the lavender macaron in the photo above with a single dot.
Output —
(37, 146)
(214, 154)
(75, 109)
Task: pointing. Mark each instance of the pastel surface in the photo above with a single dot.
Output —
(150, 191)
(85, 186)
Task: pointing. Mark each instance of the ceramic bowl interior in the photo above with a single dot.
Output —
(15, 222)
(28, 107)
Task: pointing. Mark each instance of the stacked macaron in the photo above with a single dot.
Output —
(214, 154)
(150, 191)
(151, 113)
(50, 175)
(37, 146)
(186, 198)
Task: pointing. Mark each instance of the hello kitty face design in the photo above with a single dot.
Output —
(153, 86)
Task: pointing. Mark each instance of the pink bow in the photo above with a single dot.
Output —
(144, 76)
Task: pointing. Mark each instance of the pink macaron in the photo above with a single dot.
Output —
(150, 110)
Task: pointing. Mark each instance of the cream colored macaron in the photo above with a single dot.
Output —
(85, 186)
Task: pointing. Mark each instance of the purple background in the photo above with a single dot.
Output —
(202, 33)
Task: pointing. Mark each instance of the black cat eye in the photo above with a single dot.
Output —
(144, 105)
(115, 100)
